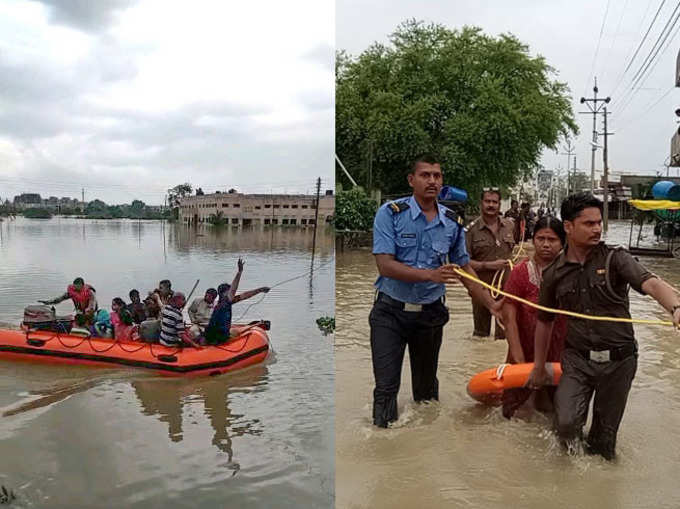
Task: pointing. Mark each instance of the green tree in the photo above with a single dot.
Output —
(482, 104)
(354, 210)
(174, 196)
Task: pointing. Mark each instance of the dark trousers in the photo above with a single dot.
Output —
(482, 320)
(610, 382)
(391, 330)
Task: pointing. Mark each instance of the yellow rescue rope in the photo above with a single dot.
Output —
(466, 275)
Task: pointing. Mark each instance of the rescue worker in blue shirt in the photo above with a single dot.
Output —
(412, 238)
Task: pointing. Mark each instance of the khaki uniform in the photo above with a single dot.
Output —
(600, 357)
(485, 246)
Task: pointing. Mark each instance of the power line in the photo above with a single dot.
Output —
(597, 48)
(611, 46)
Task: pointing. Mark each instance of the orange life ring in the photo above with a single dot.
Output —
(487, 387)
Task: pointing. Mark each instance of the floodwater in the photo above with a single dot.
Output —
(98, 437)
(458, 453)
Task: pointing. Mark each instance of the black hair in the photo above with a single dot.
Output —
(423, 158)
(79, 281)
(574, 204)
(211, 291)
(165, 282)
(223, 288)
(119, 301)
(133, 292)
(513, 202)
(553, 224)
(493, 190)
(125, 317)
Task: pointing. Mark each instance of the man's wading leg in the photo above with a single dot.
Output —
(611, 395)
(423, 350)
(387, 352)
(482, 319)
(572, 399)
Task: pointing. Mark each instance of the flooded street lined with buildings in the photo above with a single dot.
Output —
(74, 436)
(458, 453)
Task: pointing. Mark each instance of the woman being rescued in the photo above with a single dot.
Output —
(520, 319)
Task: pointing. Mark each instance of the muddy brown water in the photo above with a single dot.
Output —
(458, 453)
(92, 437)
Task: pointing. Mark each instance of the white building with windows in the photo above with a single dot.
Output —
(257, 209)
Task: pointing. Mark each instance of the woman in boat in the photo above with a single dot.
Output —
(520, 319)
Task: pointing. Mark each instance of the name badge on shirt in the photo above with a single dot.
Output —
(408, 235)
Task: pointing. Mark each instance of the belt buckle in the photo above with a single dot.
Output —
(600, 356)
(414, 308)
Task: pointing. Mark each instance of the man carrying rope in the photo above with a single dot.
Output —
(600, 357)
(411, 241)
(490, 240)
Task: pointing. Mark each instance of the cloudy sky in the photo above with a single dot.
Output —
(127, 98)
(580, 39)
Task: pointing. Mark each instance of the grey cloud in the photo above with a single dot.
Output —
(86, 15)
(323, 54)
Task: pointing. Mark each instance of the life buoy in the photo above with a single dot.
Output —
(487, 387)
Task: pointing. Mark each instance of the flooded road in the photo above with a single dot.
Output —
(457, 453)
(93, 437)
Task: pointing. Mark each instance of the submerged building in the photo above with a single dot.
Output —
(257, 209)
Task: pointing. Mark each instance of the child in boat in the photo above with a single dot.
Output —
(102, 328)
(126, 330)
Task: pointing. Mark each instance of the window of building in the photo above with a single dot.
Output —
(303, 221)
(285, 206)
(311, 221)
(304, 206)
(236, 205)
(267, 206)
(257, 207)
(267, 221)
(224, 205)
(293, 221)
(234, 220)
(312, 206)
(293, 206)
(277, 206)
(284, 221)
(329, 219)
(275, 221)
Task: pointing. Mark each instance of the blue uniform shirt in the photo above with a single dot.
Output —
(413, 241)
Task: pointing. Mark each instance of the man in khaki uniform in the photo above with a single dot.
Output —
(489, 240)
(600, 357)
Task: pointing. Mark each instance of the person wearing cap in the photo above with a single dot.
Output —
(489, 240)
(412, 239)
(219, 329)
(173, 331)
(83, 296)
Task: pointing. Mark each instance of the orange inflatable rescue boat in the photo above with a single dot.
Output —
(251, 347)
(487, 387)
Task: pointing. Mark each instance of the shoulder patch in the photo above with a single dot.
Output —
(453, 216)
(399, 206)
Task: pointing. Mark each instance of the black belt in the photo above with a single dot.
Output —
(613, 354)
(405, 306)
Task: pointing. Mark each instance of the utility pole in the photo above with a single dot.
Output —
(573, 182)
(594, 108)
(569, 152)
(83, 200)
(316, 215)
(606, 134)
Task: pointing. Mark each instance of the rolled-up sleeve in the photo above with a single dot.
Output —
(630, 270)
(547, 297)
(458, 253)
(383, 232)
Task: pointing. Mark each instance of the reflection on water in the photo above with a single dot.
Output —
(457, 453)
(76, 436)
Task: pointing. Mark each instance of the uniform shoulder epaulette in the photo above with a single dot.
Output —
(399, 206)
(453, 216)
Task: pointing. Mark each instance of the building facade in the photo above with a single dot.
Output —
(257, 209)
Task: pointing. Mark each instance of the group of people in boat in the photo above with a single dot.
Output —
(159, 318)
